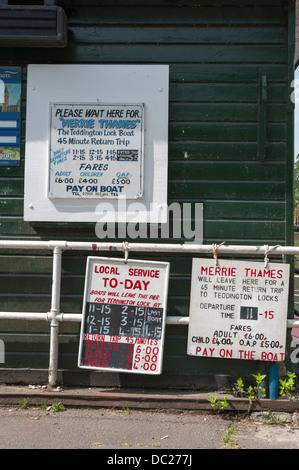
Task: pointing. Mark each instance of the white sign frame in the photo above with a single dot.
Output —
(96, 150)
(92, 83)
(238, 310)
(138, 290)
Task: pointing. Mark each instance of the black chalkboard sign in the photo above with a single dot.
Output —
(124, 312)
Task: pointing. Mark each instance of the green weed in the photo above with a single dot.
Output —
(228, 441)
(215, 402)
(57, 407)
(287, 386)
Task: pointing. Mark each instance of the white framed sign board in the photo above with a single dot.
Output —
(96, 136)
(124, 316)
(238, 310)
(96, 151)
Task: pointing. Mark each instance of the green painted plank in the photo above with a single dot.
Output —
(227, 209)
(264, 239)
(174, 14)
(224, 131)
(221, 112)
(237, 209)
(254, 209)
(221, 92)
(226, 170)
(214, 73)
(16, 226)
(11, 187)
(167, 3)
(232, 210)
(193, 189)
(40, 343)
(227, 190)
(46, 230)
(228, 229)
(169, 34)
(31, 303)
(12, 171)
(25, 327)
(11, 206)
(28, 264)
(36, 284)
(154, 54)
(232, 151)
(27, 360)
(174, 54)
(26, 343)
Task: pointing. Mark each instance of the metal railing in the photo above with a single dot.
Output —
(54, 316)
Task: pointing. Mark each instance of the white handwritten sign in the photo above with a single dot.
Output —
(124, 315)
(96, 150)
(238, 310)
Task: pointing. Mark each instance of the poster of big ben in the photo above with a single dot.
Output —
(10, 115)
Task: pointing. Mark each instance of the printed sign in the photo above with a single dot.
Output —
(96, 151)
(124, 312)
(10, 109)
(238, 310)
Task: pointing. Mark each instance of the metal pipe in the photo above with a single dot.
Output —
(37, 316)
(263, 369)
(55, 307)
(149, 247)
(273, 381)
(77, 317)
(40, 316)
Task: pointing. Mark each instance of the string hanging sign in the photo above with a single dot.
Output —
(238, 310)
(124, 315)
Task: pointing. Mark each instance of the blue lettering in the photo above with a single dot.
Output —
(74, 189)
(82, 123)
(111, 189)
(91, 189)
(118, 124)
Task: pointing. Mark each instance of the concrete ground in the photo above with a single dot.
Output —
(134, 421)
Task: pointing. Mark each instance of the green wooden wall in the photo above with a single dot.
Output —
(217, 52)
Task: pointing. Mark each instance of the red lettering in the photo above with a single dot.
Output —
(144, 272)
(246, 354)
(206, 352)
(226, 353)
(265, 273)
(106, 270)
(218, 271)
(136, 285)
(269, 356)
